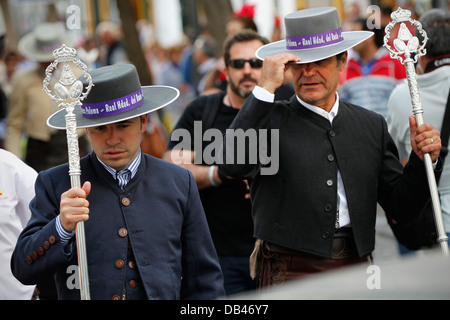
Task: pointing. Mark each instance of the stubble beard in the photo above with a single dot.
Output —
(243, 93)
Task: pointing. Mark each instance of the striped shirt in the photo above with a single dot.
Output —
(123, 177)
(370, 85)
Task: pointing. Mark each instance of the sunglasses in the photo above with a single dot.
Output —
(255, 63)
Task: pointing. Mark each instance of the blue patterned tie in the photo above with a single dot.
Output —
(123, 177)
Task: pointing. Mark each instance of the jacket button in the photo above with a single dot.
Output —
(328, 207)
(34, 255)
(119, 263)
(132, 264)
(28, 260)
(115, 297)
(325, 235)
(332, 133)
(329, 182)
(52, 239)
(123, 232)
(126, 202)
(132, 284)
(40, 251)
(46, 245)
(330, 157)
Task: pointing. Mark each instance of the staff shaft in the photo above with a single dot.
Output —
(75, 173)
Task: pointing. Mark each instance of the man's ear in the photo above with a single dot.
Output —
(343, 61)
(144, 122)
(225, 71)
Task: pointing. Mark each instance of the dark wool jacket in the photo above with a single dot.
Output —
(158, 220)
(296, 207)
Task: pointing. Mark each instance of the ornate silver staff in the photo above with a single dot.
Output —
(406, 45)
(69, 93)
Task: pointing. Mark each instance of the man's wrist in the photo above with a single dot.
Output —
(64, 235)
(263, 95)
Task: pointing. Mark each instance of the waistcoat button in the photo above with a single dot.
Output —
(119, 263)
(123, 232)
(126, 202)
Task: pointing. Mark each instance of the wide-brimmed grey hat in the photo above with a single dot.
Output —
(39, 44)
(116, 96)
(312, 35)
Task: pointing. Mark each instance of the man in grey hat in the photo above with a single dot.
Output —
(29, 106)
(336, 160)
(146, 231)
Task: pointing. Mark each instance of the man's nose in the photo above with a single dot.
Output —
(309, 69)
(112, 137)
(247, 67)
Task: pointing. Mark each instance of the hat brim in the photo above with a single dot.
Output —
(155, 97)
(351, 39)
(27, 47)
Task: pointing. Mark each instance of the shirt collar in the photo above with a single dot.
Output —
(328, 115)
(133, 166)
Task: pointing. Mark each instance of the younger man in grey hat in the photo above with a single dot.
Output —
(146, 233)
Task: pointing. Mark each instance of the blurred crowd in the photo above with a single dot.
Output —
(195, 65)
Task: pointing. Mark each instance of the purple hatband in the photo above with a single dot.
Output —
(111, 107)
(314, 40)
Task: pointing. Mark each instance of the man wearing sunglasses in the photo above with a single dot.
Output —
(225, 201)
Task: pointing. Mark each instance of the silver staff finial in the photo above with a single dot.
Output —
(405, 44)
(68, 93)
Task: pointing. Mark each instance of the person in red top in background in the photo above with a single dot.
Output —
(370, 74)
(241, 20)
